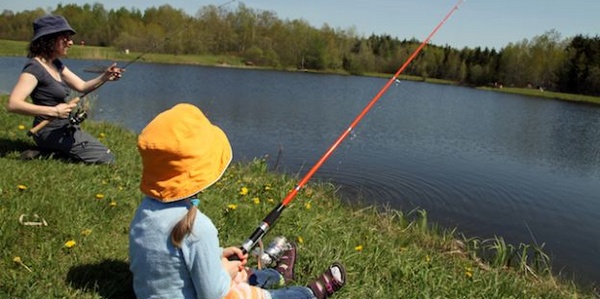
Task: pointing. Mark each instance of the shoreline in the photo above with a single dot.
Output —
(10, 48)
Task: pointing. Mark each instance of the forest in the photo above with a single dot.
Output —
(261, 38)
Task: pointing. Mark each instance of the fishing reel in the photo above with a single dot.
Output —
(77, 117)
(273, 253)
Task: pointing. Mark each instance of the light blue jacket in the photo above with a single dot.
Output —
(161, 270)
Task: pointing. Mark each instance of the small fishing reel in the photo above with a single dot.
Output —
(78, 117)
(273, 253)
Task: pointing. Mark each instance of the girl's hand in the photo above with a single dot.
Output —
(235, 251)
(232, 267)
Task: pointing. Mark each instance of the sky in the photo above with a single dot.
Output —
(477, 23)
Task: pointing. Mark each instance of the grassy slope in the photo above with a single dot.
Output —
(388, 254)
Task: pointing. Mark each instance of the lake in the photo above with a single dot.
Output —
(489, 164)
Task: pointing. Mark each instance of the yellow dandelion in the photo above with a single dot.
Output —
(112, 204)
(256, 200)
(243, 191)
(22, 187)
(358, 248)
(300, 240)
(270, 200)
(267, 187)
(70, 243)
(307, 205)
(99, 196)
(102, 135)
(428, 259)
(231, 207)
(469, 272)
(21, 127)
(86, 232)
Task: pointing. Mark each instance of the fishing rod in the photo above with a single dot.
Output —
(79, 116)
(272, 217)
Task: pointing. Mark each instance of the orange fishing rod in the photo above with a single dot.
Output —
(268, 222)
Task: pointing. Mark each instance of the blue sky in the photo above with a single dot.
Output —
(484, 23)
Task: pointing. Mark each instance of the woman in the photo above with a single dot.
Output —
(174, 249)
(48, 82)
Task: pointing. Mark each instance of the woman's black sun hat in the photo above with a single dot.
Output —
(50, 24)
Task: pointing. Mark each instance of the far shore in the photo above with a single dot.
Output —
(18, 48)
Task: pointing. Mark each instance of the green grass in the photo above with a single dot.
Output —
(19, 48)
(388, 253)
(534, 92)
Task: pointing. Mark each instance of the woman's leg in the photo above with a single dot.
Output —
(89, 150)
(75, 143)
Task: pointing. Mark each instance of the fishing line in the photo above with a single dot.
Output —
(272, 217)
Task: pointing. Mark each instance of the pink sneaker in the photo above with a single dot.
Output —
(333, 279)
(286, 263)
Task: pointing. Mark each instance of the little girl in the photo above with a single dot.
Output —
(173, 247)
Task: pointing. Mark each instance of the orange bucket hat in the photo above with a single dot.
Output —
(182, 154)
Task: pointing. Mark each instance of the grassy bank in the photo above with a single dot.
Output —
(19, 48)
(82, 251)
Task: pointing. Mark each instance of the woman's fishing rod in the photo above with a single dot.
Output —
(78, 117)
(270, 219)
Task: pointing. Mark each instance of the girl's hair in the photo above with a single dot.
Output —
(44, 46)
(184, 226)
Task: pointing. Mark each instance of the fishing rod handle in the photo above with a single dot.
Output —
(33, 131)
(45, 122)
(260, 231)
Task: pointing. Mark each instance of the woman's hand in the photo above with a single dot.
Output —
(63, 110)
(112, 73)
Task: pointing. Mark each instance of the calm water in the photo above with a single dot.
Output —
(488, 163)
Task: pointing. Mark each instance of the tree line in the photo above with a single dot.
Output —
(259, 37)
